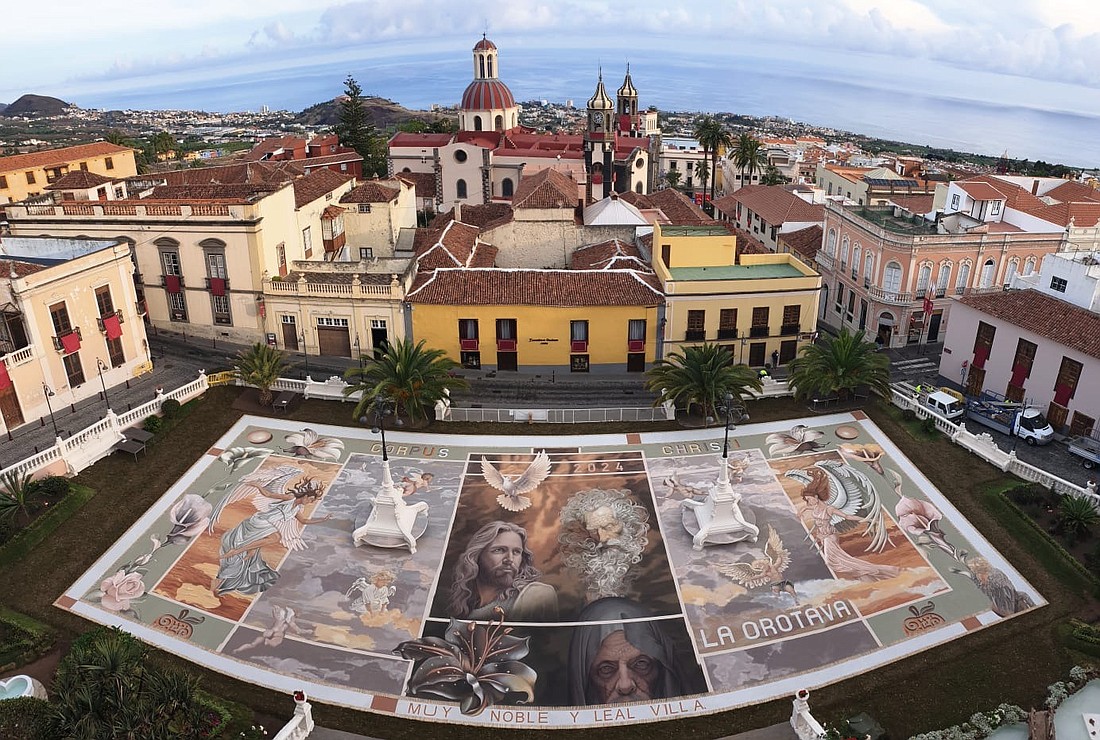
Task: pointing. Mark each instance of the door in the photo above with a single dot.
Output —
(1057, 415)
(508, 361)
(975, 381)
(290, 333)
(9, 406)
(333, 341)
(635, 362)
(1081, 425)
(884, 333)
(757, 350)
(788, 348)
(934, 327)
(379, 340)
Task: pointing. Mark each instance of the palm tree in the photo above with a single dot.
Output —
(672, 178)
(411, 375)
(1077, 516)
(702, 171)
(261, 365)
(714, 138)
(702, 133)
(700, 375)
(840, 365)
(17, 494)
(747, 155)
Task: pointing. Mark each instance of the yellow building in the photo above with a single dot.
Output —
(599, 317)
(762, 307)
(69, 315)
(26, 175)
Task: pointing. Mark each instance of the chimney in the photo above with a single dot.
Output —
(458, 211)
(1034, 187)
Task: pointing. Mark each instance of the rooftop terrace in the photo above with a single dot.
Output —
(43, 250)
(885, 218)
(701, 230)
(737, 272)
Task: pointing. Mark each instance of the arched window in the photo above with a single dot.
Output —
(855, 261)
(638, 188)
(489, 66)
(1029, 266)
(506, 187)
(924, 277)
(481, 65)
(844, 252)
(830, 243)
(943, 279)
(477, 123)
(989, 270)
(1012, 271)
(460, 186)
(891, 278)
(499, 123)
(869, 266)
(963, 279)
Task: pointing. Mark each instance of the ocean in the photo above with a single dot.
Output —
(920, 103)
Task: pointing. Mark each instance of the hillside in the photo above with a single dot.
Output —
(36, 105)
(381, 113)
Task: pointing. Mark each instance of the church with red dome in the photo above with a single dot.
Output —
(486, 159)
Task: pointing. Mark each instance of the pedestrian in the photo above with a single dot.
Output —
(764, 372)
(775, 358)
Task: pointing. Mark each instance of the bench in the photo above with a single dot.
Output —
(283, 401)
(131, 446)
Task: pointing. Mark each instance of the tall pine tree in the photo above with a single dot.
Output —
(355, 131)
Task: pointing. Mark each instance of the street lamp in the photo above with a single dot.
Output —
(103, 366)
(358, 351)
(734, 415)
(392, 522)
(305, 354)
(48, 392)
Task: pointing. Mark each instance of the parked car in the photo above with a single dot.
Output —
(1011, 418)
(1086, 448)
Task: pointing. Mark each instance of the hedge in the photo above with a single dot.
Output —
(25, 718)
(45, 525)
(25, 641)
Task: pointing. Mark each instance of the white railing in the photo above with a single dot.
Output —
(985, 447)
(19, 356)
(301, 724)
(802, 721)
(329, 290)
(557, 416)
(94, 443)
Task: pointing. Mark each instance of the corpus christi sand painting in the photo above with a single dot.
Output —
(556, 583)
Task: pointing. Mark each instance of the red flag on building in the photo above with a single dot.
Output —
(928, 305)
(70, 342)
(111, 326)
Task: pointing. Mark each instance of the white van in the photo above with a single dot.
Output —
(944, 404)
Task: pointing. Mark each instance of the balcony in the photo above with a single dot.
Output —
(164, 280)
(758, 331)
(208, 286)
(695, 335)
(727, 333)
(788, 329)
(825, 261)
(891, 297)
(99, 320)
(506, 345)
(635, 345)
(333, 290)
(20, 356)
(580, 346)
(59, 340)
(468, 345)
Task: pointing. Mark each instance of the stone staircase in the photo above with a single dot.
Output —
(553, 391)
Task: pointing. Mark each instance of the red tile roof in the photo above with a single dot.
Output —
(21, 269)
(1073, 192)
(332, 212)
(314, 185)
(79, 180)
(609, 255)
(373, 191)
(243, 172)
(1045, 315)
(424, 182)
(500, 287)
(274, 145)
(54, 157)
(746, 242)
(236, 192)
(455, 245)
(326, 160)
(677, 207)
(777, 205)
(546, 188)
(914, 203)
(982, 190)
(805, 242)
(485, 217)
(487, 95)
(424, 141)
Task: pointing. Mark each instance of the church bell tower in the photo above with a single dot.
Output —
(599, 144)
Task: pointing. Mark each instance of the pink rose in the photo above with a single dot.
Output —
(917, 516)
(120, 589)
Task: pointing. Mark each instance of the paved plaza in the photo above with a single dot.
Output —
(556, 582)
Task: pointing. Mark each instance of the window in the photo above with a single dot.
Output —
(171, 263)
(73, 369)
(855, 262)
(215, 265)
(635, 330)
(59, 314)
(106, 308)
(727, 323)
(3, 182)
(220, 306)
(177, 307)
(280, 256)
(460, 187)
(792, 319)
(1029, 266)
(851, 305)
(891, 278)
(964, 278)
(955, 200)
(696, 326)
(84, 166)
(839, 297)
(477, 127)
(923, 278)
(506, 330)
(868, 268)
(989, 269)
(941, 281)
(1069, 375)
(507, 188)
(467, 331)
(844, 253)
(1058, 284)
(109, 163)
(366, 253)
(364, 207)
(995, 207)
(30, 177)
(760, 318)
(830, 242)
(103, 301)
(1012, 271)
(307, 240)
(578, 331)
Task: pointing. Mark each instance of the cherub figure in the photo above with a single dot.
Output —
(414, 481)
(374, 595)
(283, 620)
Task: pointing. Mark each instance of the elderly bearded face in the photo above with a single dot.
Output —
(603, 526)
(603, 537)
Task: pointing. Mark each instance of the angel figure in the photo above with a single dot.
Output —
(513, 487)
(683, 490)
(765, 571)
(283, 620)
(279, 518)
(834, 495)
(374, 594)
(414, 481)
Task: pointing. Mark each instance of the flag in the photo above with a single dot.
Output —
(111, 326)
(70, 342)
(217, 286)
(928, 305)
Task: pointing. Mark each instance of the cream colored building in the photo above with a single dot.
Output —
(26, 175)
(69, 315)
(759, 306)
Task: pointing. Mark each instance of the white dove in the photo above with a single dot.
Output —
(515, 486)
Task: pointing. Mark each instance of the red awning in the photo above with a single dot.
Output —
(111, 326)
(172, 283)
(70, 342)
(217, 286)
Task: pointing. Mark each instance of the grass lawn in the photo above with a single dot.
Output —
(1013, 661)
